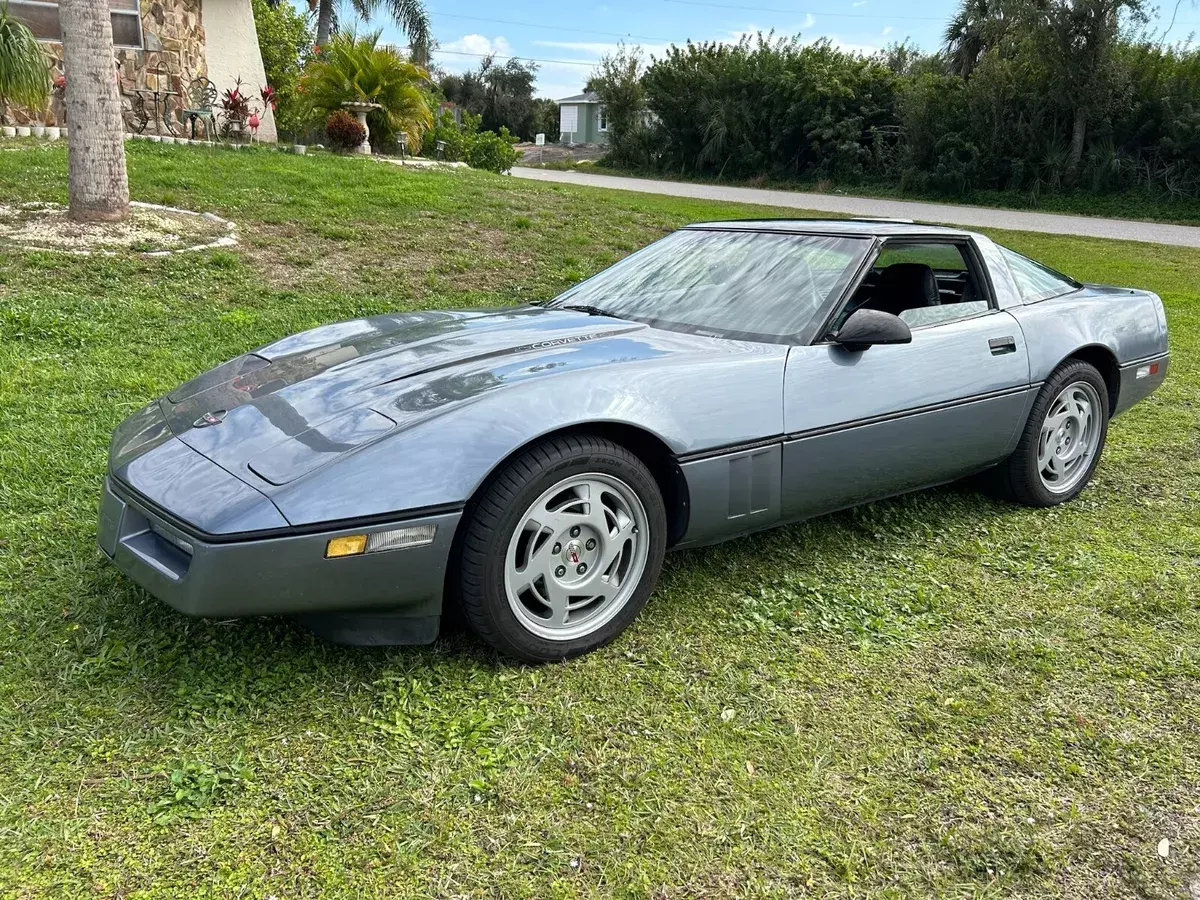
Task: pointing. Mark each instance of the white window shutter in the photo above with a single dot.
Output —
(568, 119)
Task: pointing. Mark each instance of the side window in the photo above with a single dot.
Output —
(923, 283)
(1035, 281)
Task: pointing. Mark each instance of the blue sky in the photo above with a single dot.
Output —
(568, 39)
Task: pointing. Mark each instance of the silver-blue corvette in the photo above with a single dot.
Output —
(533, 465)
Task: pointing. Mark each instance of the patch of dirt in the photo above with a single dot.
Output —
(149, 229)
(531, 154)
(461, 257)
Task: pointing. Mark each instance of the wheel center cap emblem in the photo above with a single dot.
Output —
(574, 549)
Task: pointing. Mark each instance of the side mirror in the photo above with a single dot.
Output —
(866, 327)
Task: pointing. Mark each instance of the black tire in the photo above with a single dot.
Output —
(1019, 477)
(498, 511)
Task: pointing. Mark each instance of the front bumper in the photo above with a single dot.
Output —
(206, 575)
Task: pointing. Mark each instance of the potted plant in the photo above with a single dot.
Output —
(236, 107)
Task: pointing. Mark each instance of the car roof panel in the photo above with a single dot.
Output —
(849, 227)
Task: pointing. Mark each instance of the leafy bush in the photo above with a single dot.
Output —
(494, 152)
(466, 143)
(351, 68)
(342, 131)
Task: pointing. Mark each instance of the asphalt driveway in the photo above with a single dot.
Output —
(946, 213)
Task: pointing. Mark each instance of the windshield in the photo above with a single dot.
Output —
(748, 285)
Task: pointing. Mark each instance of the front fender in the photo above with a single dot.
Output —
(443, 451)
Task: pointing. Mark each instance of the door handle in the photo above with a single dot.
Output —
(1001, 345)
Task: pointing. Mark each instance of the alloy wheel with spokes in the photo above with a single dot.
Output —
(561, 548)
(1060, 445)
(576, 556)
(1069, 437)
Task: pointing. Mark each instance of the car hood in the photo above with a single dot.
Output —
(289, 407)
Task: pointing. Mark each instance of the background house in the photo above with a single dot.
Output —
(160, 44)
(581, 120)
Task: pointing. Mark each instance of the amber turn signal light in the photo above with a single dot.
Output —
(350, 545)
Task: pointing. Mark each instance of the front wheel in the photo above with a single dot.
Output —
(562, 549)
(1061, 445)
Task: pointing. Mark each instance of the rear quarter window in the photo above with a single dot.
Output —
(1035, 281)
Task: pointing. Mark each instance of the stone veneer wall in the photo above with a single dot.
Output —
(173, 54)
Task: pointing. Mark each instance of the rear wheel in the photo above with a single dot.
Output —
(562, 550)
(1063, 438)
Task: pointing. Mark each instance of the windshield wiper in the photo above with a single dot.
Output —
(584, 308)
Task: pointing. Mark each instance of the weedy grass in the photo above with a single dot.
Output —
(937, 694)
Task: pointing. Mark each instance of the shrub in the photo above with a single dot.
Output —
(456, 137)
(466, 143)
(494, 152)
(342, 131)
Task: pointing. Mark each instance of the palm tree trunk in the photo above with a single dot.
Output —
(96, 180)
(1078, 133)
(324, 22)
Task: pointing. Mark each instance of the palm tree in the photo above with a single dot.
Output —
(24, 69)
(353, 68)
(97, 184)
(978, 26)
(410, 15)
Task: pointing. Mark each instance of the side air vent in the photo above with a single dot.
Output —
(733, 492)
(750, 479)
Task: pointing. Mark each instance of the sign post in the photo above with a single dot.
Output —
(540, 141)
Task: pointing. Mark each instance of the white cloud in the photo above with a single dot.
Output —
(809, 20)
(886, 31)
(858, 3)
(465, 52)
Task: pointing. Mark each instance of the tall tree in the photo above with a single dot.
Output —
(410, 15)
(977, 27)
(618, 82)
(502, 95)
(1075, 40)
(97, 184)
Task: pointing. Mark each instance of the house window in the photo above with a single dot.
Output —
(602, 118)
(42, 18)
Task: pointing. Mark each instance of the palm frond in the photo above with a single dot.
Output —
(411, 16)
(24, 66)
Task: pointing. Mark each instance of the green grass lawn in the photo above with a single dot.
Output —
(939, 694)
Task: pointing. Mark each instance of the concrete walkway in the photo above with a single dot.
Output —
(948, 213)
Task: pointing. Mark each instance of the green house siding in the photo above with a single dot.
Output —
(587, 118)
